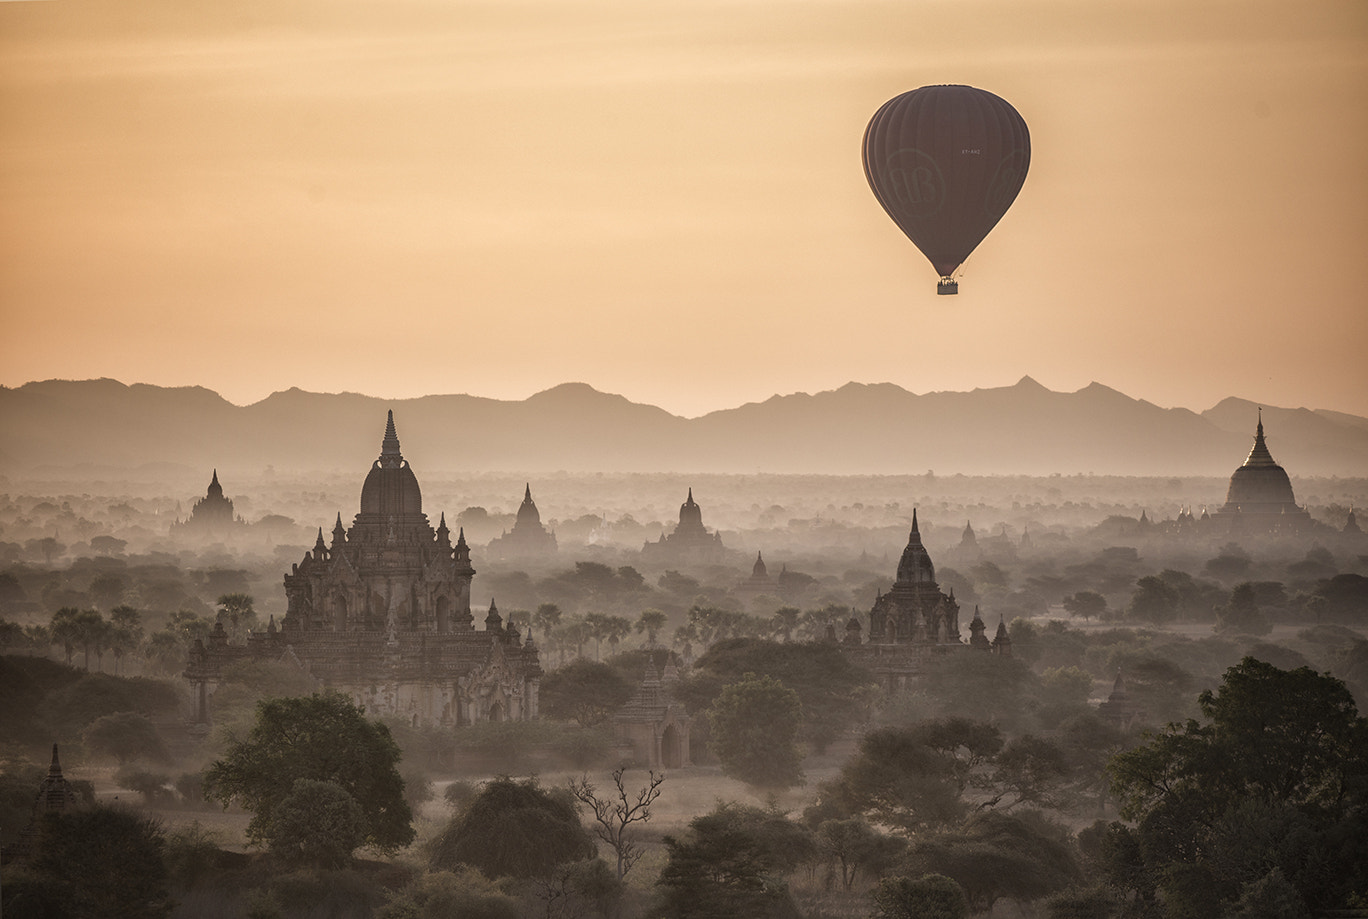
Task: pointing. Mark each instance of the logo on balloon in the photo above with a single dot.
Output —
(1006, 183)
(915, 182)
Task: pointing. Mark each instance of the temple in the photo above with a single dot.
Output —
(690, 543)
(915, 610)
(211, 517)
(913, 620)
(653, 723)
(55, 796)
(382, 613)
(1260, 498)
(759, 583)
(529, 538)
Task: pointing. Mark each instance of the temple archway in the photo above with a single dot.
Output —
(671, 756)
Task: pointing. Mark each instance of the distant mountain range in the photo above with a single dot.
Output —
(857, 429)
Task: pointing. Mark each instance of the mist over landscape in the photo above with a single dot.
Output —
(140, 526)
(821, 459)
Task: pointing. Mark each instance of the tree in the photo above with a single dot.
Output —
(1241, 615)
(317, 824)
(167, 647)
(514, 829)
(1272, 777)
(125, 736)
(931, 896)
(832, 689)
(107, 545)
(1021, 855)
(65, 630)
(107, 589)
(596, 626)
(586, 691)
(1153, 601)
(126, 632)
(912, 778)
(324, 737)
(732, 862)
(48, 547)
(1085, 603)
(239, 611)
(1029, 770)
(617, 812)
(856, 846)
(546, 618)
(92, 863)
(651, 621)
(83, 628)
(754, 725)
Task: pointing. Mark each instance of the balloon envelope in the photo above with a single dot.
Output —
(946, 162)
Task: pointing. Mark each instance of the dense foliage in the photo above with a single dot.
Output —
(323, 737)
(584, 691)
(513, 829)
(835, 694)
(92, 863)
(754, 724)
(1275, 776)
(733, 862)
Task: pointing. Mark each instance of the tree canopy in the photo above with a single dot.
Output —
(731, 863)
(514, 829)
(832, 690)
(754, 726)
(90, 863)
(323, 737)
(584, 691)
(1273, 776)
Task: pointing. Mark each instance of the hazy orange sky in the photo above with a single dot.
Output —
(665, 199)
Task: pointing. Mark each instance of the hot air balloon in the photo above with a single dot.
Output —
(946, 162)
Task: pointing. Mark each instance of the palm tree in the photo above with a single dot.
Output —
(126, 634)
(599, 628)
(617, 627)
(65, 630)
(651, 621)
(546, 618)
(238, 610)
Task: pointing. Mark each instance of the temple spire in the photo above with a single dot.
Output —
(389, 447)
(915, 536)
(527, 493)
(55, 767)
(1259, 455)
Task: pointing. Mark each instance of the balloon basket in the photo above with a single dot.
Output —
(946, 286)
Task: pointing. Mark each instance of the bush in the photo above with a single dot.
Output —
(931, 896)
(441, 894)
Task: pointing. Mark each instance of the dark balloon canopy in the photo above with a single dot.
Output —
(946, 162)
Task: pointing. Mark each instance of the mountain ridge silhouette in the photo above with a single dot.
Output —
(858, 428)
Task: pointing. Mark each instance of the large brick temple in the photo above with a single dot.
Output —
(382, 613)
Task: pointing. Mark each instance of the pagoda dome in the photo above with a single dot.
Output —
(690, 514)
(391, 489)
(915, 565)
(528, 515)
(1260, 485)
